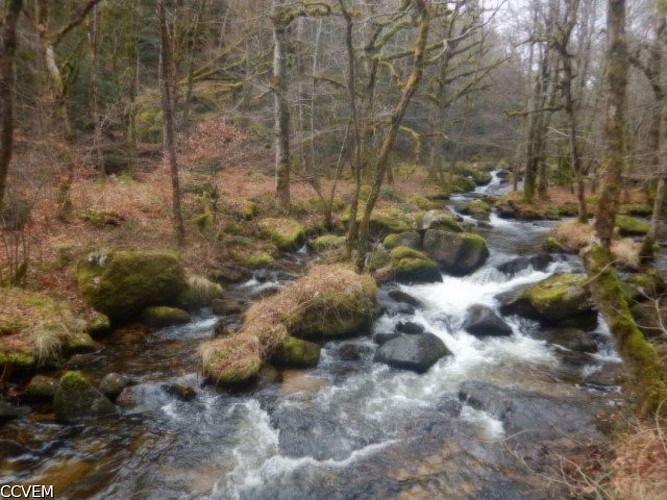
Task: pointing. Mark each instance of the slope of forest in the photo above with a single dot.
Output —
(333, 248)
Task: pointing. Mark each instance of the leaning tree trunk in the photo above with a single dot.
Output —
(167, 102)
(7, 52)
(281, 111)
(396, 118)
(638, 354)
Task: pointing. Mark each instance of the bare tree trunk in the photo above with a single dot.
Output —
(396, 118)
(132, 56)
(93, 40)
(166, 74)
(281, 111)
(638, 354)
(7, 53)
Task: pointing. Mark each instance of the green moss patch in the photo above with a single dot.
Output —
(629, 226)
(287, 234)
(163, 316)
(327, 242)
(296, 352)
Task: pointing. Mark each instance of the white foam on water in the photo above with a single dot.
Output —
(491, 429)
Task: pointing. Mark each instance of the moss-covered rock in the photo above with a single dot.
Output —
(552, 245)
(41, 389)
(411, 266)
(163, 316)
(252, 259)
(457, 253)
(37, 329)
(410, 239)
(76, 397)
(461, 184)
(384, 221)
(440, 219)
(561, 298)
(200, 292)
(112, 384)
(378, 259)
(287, 234)
(297, 353)
(636, 209)
(327, 242)
(477, 209)
(98, 324)
(231, 361)
(629, 226)
(122, 284)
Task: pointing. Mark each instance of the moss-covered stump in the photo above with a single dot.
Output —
(629, 226)
(41, 389)
(457, 253)
(231, 361)
(327, 242)
(559, 299)
(37, 330)
(440, 219)
(287, 234)
(410, 239)
(552, 245)
(477, 209)
(200, 292)
(122, 284)
(411, 266)
(76, 397)
(295, 352)
(164, 316)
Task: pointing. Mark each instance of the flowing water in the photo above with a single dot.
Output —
(346, 429)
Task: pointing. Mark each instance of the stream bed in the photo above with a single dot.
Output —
(492, 421)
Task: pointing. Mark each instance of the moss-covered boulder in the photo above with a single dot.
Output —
(37, 329)
(164, 316)
(122, 284)
(98, 324)
(327, 242)
(200, 292)
(296, 353)
(41, 389)
(287, 234)
(440, 219)
(629, 226)
(231, 361)
(477, 209)
(552, 245)
(559, 299)
(411, 266)
(384, 221)
(461, 184)
(252, 259)
(457, 253)
(112, 384)
(410, 239)
(76, 397)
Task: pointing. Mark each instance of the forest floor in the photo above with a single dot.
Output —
(133, 211)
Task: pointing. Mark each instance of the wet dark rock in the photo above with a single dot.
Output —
(482, 321)
(112, 384)
(570, 338)
(412, 352)
(538, 262)
(406, 298)
(532, 414)
(263, 275)
(574, 359)
(181, 392)
(384, 337)
(262, 293)
(505, 211)
(353, 352)
(9, 412)
(80, 360)
(409, 327)
(297, 353)
(503, 174)
(41, 389)
(226, 307)
(76, 398)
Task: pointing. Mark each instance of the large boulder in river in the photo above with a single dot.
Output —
(412, 352)
(122, 284)
(411, 266)
(231, 361)
(559, 299)
(441, 219)
(457, 253)
(478, 209)
(482, 321)
(538, 262)
(76, 397)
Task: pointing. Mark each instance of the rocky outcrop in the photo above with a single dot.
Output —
(482, 321)
(412, 352)
(457, 253)
(122, 284)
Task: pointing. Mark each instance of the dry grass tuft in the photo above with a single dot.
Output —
(573, 235)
